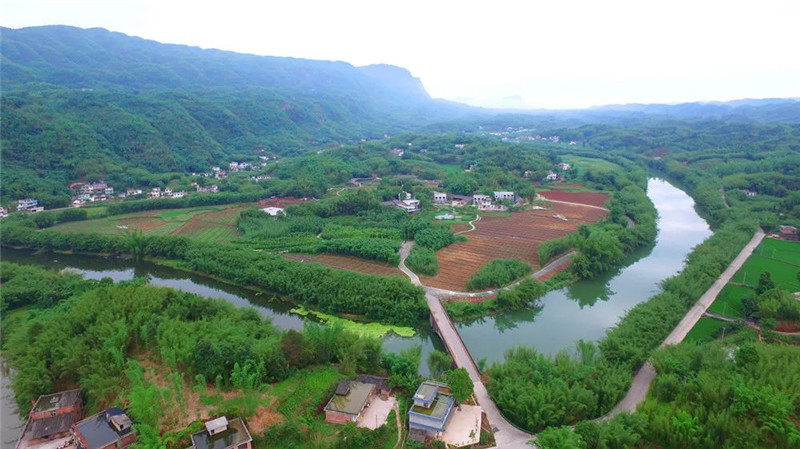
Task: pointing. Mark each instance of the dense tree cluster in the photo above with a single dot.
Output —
(498, 273)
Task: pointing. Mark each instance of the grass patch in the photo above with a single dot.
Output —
(165, 222)
(784, 275)
(782, 250)
(706, 329)
(729, 301)
(376, 330)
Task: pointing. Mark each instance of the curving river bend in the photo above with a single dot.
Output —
(584, 310)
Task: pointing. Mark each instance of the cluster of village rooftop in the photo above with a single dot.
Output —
(90, 192)
(56, 420)
(434, 414)
(411, 205)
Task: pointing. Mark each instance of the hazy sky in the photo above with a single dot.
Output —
(553, 54)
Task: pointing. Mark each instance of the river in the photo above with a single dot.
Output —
(584, 310)
(588, 308)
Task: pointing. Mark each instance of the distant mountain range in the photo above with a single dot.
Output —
(78, 102)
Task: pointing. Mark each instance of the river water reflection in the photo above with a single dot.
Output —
(588, 308)
(581, 311)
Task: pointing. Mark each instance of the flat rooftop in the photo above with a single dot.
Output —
(426, 391)
(438, 409)
(352, 402)
(57, 400)
(98, 432)
(235, 435)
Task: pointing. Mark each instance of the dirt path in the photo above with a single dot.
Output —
(572, 204)
(471, 225)
(399, 426)
(645, 375)
(724, 198)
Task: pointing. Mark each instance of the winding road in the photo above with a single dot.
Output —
(508, 436)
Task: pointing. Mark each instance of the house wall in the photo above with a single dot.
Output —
(338, 417)
(61, 411)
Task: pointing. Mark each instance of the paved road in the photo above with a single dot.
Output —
(506, 435)
(645, 375)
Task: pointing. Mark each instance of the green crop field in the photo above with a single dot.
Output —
(585, 163)
(782, 250)
(784, 274)
(729, 301)
(207, 223)
(705, 329)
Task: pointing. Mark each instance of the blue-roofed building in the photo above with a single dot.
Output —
(106, 430)
(433, 406)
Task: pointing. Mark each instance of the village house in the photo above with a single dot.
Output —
(460, 146)
(551, 176)
(429, 416)
(380, 383)
(398, 152)
(440, 198)
(176, 195)
(27, 204)
(787, 232)
(348, 401)
(132, 192)
(563, 166)
(3, 212)
(51, 419)
(209, 189)
(221, 433)
(749, 192)
(481, 201)
(260, 177)
(108, 429)
(155, 192)
(505, 196)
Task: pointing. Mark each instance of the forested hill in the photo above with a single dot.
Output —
(87, 102)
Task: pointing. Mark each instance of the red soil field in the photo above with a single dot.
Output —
(459, 227)
(498, 237)
(347, 263)
(590, 198)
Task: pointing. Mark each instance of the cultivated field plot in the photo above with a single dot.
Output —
(729, 301)
(208, 223)
(590, 198)
(782, 250)
(769, 256)
(503, 237)
(347, 263)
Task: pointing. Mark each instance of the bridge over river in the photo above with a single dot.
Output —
(505, 434)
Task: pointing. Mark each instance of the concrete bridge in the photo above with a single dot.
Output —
(505, 434)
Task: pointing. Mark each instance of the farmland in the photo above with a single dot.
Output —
(347, 263)
(772, 255)
(729, 301)
(210, 223)
(506, 237)
(589, 198)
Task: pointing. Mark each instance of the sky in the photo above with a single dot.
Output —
(551, 54)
